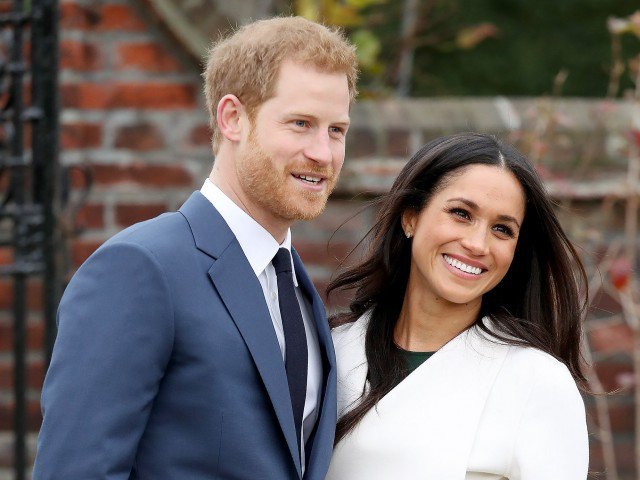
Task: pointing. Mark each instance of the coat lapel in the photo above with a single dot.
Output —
(240, 290)
(446, 395)
(436, 409)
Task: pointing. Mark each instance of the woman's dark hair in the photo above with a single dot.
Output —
(536, 304)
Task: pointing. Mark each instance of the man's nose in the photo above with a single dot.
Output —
(319, 149)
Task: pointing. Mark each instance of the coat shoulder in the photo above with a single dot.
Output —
(349, 333)
(536, 361)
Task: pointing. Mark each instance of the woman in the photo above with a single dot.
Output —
(460, 354)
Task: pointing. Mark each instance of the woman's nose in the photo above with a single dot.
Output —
(476, 241)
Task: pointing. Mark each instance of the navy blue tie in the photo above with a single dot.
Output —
(295, 338)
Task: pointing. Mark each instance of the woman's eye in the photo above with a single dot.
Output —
(503, 229)
(459, 212)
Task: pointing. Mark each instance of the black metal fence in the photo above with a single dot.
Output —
(29, 176)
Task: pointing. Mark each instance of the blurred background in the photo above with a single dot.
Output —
(103, 124)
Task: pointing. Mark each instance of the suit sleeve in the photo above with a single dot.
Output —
(551, 441)
(115, 337)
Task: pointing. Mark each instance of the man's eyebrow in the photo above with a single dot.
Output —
(346, 121)
(474, 206)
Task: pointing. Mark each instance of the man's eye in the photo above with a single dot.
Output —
(300, 123)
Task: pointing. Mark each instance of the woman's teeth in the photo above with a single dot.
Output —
(462, 266)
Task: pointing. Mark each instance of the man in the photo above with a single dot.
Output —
(194, 345)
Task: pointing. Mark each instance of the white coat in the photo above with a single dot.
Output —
(475, 410)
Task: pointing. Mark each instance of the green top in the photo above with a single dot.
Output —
(414, 359)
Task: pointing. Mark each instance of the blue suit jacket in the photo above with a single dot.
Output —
(167, 366)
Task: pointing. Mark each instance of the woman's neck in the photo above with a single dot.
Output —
(425, 325)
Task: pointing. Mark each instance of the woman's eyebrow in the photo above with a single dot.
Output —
(474, 206)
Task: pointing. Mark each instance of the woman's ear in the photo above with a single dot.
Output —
(229, 117)
(409, 220)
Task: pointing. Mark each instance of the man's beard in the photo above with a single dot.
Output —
(272, 188)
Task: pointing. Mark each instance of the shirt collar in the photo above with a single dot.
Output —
(258, 244)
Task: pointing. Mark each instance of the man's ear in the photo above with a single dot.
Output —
(229, 117)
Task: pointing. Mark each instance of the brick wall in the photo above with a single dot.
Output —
(133, 114)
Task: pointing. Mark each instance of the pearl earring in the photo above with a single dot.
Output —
(408, 234)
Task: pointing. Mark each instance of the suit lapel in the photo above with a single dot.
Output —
(317, 307)
(240, 290)
(321, 442)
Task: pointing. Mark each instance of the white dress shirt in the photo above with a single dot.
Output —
(260, 247)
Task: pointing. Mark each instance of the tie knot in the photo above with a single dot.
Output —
(282, 261)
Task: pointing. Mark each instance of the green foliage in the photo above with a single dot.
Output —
(368, 50)
(487, 47)
(536, 41)
(351, 15)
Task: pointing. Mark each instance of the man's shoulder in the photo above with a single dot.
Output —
(165, 238)
(166, 229)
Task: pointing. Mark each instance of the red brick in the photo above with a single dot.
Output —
(610, 338)
(398, 143)
(35, 375)
(621, 417)
(200, 136)
(625, 459)
(108, 17)
(129, 214)
(79, 176)
(27, 136)
(6, 293)
(77, 17)
(6, 255)
(128, 95)
(361, 143)
(80, 135)
(120, 18)
(81, 56)
(156, 96)
(34, 294)
(142, 137)
(143, 174)
(151, 57)
(90, 215)
(612, 374)
(86, 95)
(101, 174)
(34, 418)
(81, 250)
(35, 336)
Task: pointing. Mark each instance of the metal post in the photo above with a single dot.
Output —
(45, 151)
(30, 203)
(17, 181)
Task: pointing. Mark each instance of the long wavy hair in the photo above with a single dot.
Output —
(537, 303)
